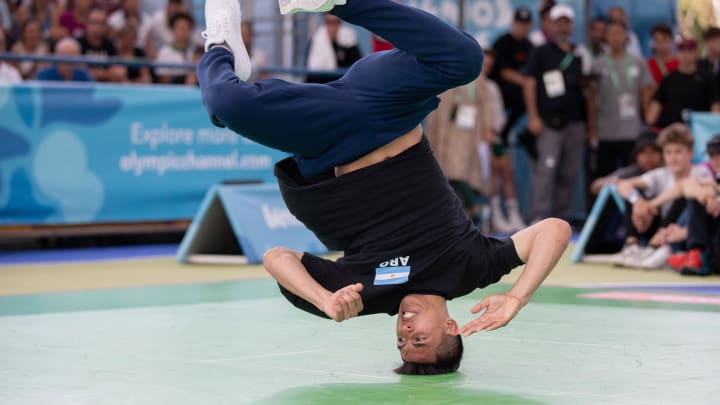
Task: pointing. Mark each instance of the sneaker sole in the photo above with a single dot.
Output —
(312, 6)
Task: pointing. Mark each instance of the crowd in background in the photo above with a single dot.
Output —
(103, 29)
(538, 89)
(603, 108)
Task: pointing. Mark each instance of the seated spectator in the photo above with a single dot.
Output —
(644, 215)
(155, 31)
(46, 12)
(8, 73)
(702, 192)
(127, 49)
(66, 47)
(179, 50)
(608, 235)
(6, 22)
(333, 46)
(96, 44)
(128, 14)
(74, 19)
(258, 59)
(663, 62)
(30, 43)
(647, 155)
(683, 91)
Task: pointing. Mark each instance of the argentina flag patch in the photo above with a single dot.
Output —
(391, 275)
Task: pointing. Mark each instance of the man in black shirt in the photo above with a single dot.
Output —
(555, 102)
(96, 44)
(408, 245)
(683, 90)
(512, 51)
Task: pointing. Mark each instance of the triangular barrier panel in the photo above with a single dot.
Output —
(238, 223)
(607, 193)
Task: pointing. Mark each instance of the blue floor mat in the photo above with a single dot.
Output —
(86, 254)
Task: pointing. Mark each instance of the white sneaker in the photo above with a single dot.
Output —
(636, 260)
(657, 259)
(222, 27)
(313, 6)
(627, 252)
(499, 223)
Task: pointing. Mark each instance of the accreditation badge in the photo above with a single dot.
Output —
(628, 106)
(466, 116)
(554, 83)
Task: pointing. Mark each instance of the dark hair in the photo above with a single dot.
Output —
(449, 356)
(599, 20)
(181, 16)
(662, 29)
(711, 33)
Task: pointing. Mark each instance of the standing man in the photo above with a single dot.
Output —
(662, 62)
(555, 102)
(616, 101)
(683, 91)
(711, 62)
(513, 50)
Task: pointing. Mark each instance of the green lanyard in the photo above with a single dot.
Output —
(615, 78)
(470, 92)
(567, 60)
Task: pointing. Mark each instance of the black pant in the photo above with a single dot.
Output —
(612, 155)
(660, 221)
(515, 113)
(704, 233)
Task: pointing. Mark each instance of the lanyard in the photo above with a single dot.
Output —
(470, 92)
(567, 60)
(615, 78)
(661, 65)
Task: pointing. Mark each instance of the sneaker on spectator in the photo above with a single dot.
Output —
(657, 259)
(313, 6)
(635, 257)
(627, 251)
(223, 19)
(694, 264)
(677, 260)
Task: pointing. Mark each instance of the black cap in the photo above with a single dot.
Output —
(646, 138)
(523, 14)
(713, 145)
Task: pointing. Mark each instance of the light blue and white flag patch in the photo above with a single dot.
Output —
(391, 275)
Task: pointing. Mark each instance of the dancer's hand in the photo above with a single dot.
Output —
(500, 309)
(344, 303)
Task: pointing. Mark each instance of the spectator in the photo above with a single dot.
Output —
(702, 193)
(683, 91)
(645, 214)
(333, 46)
(179, 50)
(711, 62)
(616, 101)
(596, 36)
(663, 62)
(8, 73)
(74, 19)
(467, 115)
(96, 44)
(30, 43)
(618, 13)
(127, 49)
(155, 31)
(258, 59)
(541, 36)
(608, 235)
(555, 99)
(647, 155)
(66, 47)
(46, 12)
(128, 14)
(513, 50)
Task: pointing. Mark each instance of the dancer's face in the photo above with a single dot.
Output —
(423, 328)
